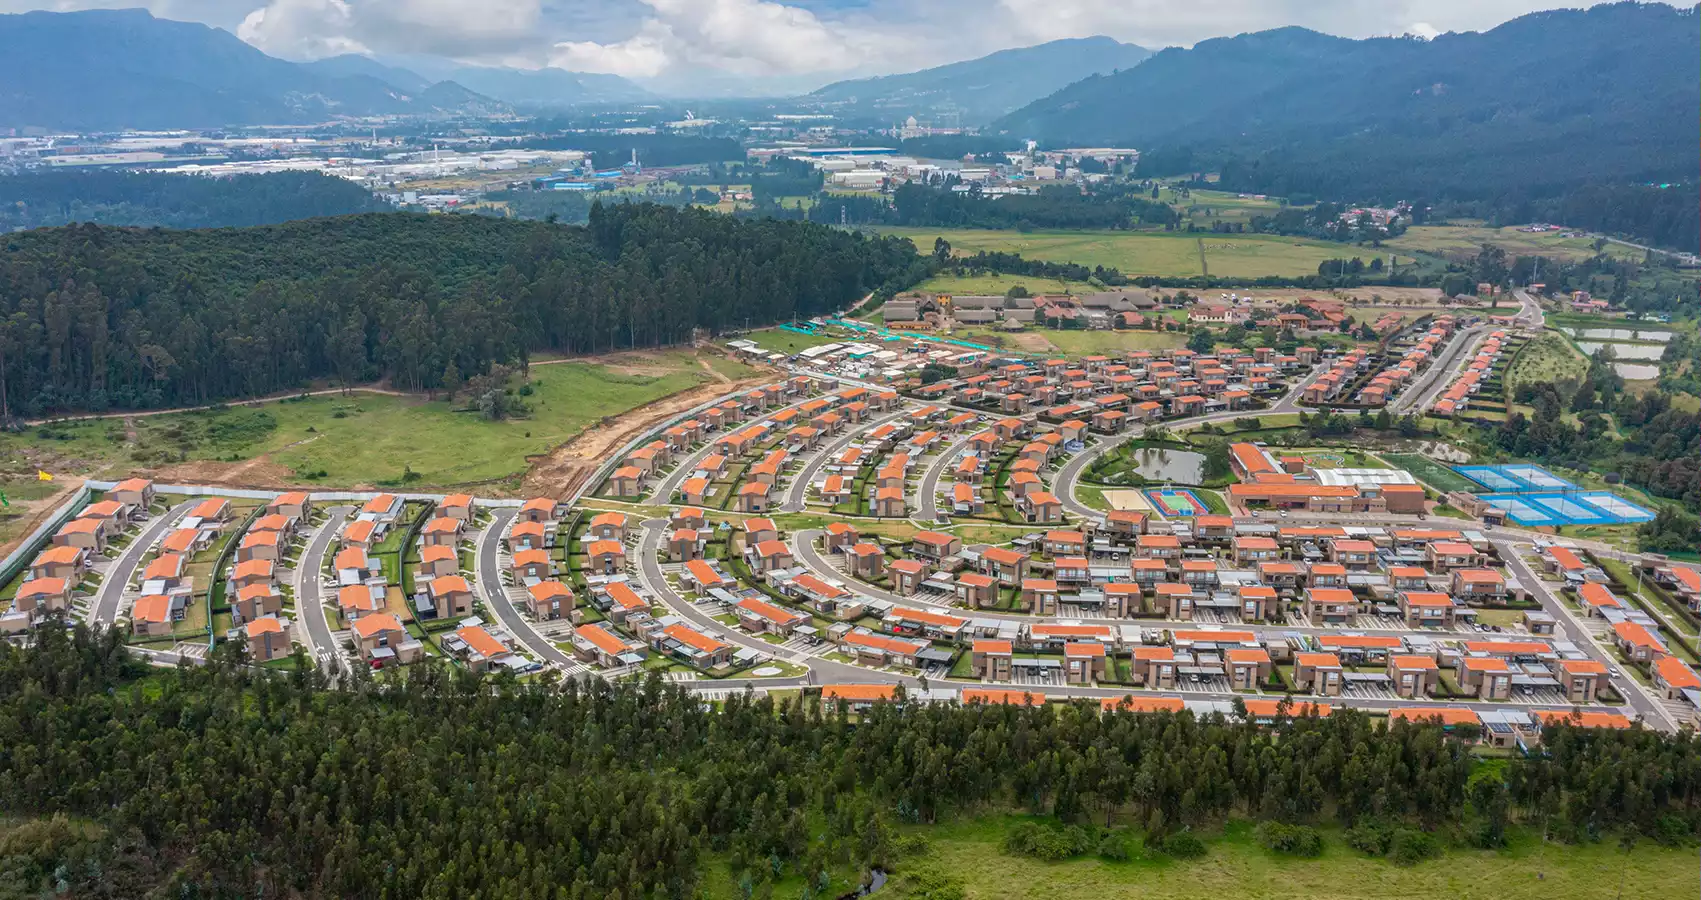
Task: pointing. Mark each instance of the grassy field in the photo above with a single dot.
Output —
(1168, 254)
(1205, 207)
(1467, 240)
(1430, 472)
(1546, 359)
(999, 284)
(788, 342)
(374, 439)
(1237, 867)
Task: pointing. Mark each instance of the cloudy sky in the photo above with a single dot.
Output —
(798, 43)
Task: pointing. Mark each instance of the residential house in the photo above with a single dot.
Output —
(137, 492)
(761, 616)
(1487, 678)
(1427, 609)
(992, 660)
(381, 640)
(435, 561)
(442, 531)
(269, 638)
(601, 558)
(457, 506)
(550, 599)
(1413, 675)
(293, 504)
(480, 649)
(451, 597)
(1319, 673)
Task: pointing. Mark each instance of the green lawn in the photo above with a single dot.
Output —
(367, 439)
(1166, 254)
(1236, 867)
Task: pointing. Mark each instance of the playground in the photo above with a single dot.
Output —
(1569, 508)
(1172, 502)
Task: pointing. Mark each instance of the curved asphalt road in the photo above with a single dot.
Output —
(309, 604)
(117, 577)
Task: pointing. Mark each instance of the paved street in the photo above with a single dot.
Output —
(309, 599)
(110, 594)
(489, 578)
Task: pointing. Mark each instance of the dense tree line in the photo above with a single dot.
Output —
(145, 199)
(936, 205)
(1661, 445)
(94, 317)
(222, 781)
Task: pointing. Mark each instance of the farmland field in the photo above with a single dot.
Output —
(995, 283)
(1467, 239)
(1164, 254)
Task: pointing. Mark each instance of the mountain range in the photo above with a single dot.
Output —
(982, 89)
(102, 70)
(1567, 96)
(522, 87)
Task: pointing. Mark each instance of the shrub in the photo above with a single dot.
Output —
(1372, 838)
(1047, 842)
(1113, 846)
(1291, 840)
(1183, 845)
(1411, 846)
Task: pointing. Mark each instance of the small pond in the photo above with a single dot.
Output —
(1618, 334)
(1625, 351)
(1635, 372)
(1163, 464)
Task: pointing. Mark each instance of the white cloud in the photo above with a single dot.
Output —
(301, 29)
(311, 29)
(742, 37)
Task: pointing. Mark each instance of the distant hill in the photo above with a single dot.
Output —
(985, 88)
(1543, 102)
(102, 70)
(548, 87)
(148, 199)
(354, 64)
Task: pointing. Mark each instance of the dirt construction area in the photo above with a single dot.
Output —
(566, 468)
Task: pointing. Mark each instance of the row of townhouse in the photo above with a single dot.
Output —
(1107, 395)
(1429, 578)
(1458, 394)
(1501, 728)
(50, 583)
(1418, 357)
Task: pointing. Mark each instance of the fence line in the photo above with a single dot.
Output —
(26, 551)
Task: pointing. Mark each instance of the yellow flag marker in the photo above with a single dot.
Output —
(42, 476)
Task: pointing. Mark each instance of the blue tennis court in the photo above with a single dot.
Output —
(1515, 479)
(1578, 508)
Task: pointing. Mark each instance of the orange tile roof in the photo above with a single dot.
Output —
(1318, 660)
(925, 617)
(1268, 708)
(703, 573)
(1426, 599)
(169, 565)
(154, 608)
(986, 646)
(1246, 655)
(42, 587)
(264, 625)
(356, 597)
(687, 635)
(367, 626)
(1132, 703)
(1583, 718)
(602, 639)
(1447, 715)
(352, 558)
(864, 692)
(1413, 661)
(1673, 672)
(1597, 595)
(1218, 637)
(482, 642)
(59, 555)
(1003, 697)
(624, 596)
